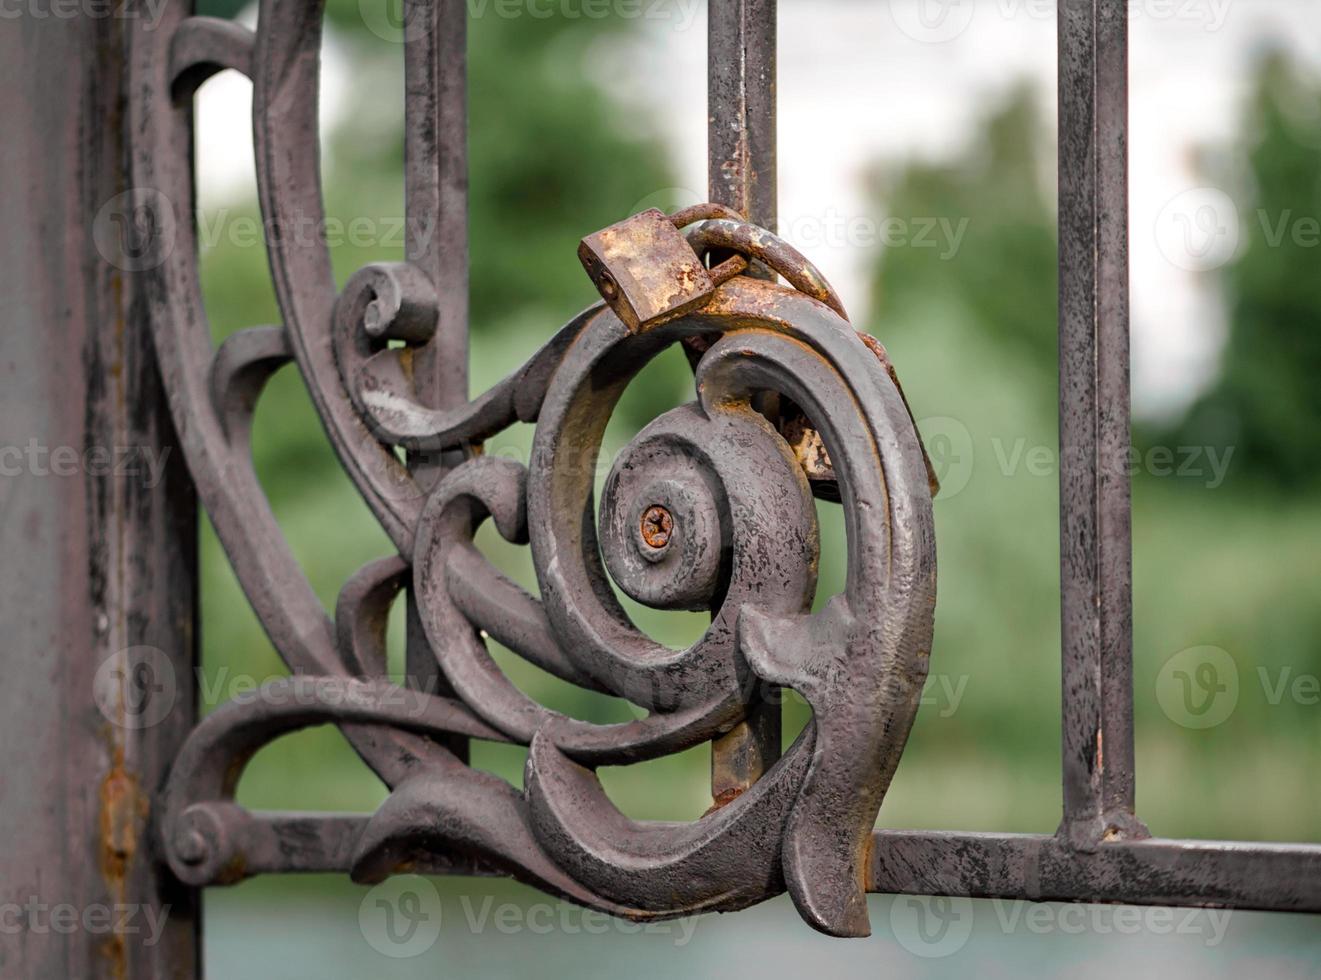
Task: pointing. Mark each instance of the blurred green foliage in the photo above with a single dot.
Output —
(1266, 401)
(1004, 271)
(973, 336)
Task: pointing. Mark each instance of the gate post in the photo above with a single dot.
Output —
(98, 532)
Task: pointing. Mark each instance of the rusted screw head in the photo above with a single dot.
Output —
(657, 526)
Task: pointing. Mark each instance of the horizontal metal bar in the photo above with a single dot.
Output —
(1271, 877)
(286, 842)
(1040, 868)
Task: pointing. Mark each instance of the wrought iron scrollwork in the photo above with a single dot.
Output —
(709, 507)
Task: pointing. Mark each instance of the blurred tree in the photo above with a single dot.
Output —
(1004, 270)
(549, 159)
(549, 162)
(1266, 402)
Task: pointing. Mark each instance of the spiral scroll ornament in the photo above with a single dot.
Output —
(710, 507)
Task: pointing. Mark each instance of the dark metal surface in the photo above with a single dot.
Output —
(741, 99)
(1096, 575)
(741, 536)
(98, 529)
(707, 508)
(710, 507)
(1230, 874)
(741, 176)
(436, 206)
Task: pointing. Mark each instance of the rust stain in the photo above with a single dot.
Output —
(724, 798)
(865, 858)
(124, 810)
(123, 814)
(657, 526)
(233, 872)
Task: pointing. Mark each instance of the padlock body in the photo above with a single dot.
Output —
(644, 268)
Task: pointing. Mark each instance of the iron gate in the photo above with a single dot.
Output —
(112, 354)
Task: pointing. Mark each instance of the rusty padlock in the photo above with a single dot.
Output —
(649, 272)
(644, 268)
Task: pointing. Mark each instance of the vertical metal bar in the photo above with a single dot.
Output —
(436, 205)
(741, 108)
(436, 185)
(741, 37)
(97, 528)
(1095, 513)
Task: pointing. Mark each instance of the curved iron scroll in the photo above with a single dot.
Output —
(708, 507)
